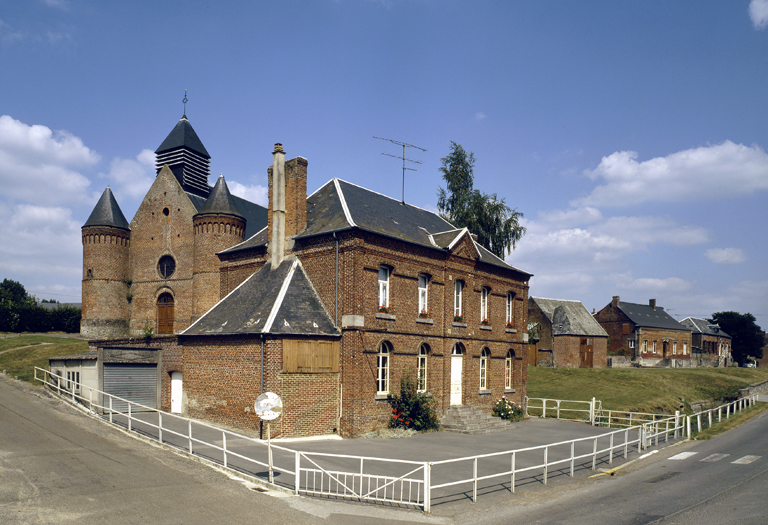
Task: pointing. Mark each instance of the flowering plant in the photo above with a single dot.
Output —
(458, 318)
(384, 309)
(510, 324)
(506, 409)
(485, 321)
(423, 314)
(412, 409)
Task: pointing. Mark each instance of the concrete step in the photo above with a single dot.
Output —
(469, 420)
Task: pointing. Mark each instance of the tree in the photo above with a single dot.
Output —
(13, 290)
(496, 225)
(746, 336)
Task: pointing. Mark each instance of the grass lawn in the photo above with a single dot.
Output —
(21, 362)
(641, 389)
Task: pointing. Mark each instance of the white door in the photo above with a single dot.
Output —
(456, 366)
(176, 392)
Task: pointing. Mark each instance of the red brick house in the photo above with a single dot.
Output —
(328, 304)
(711, 345)
(653, 337)
(568, 334)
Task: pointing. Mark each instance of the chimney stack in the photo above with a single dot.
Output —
(652, 303)
(277, 241)
(615, 301)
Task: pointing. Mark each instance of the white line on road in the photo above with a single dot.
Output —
(714, 457)
(683, 455)
(746, 460)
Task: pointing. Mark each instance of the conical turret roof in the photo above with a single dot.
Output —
(220, 200)
(107, 213)
(183, 135)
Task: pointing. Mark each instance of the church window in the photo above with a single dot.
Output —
(166, 266)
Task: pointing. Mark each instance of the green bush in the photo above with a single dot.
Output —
(506, 409)
(412, 409)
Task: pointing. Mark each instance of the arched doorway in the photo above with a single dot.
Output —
(165, 313)
(457, 364)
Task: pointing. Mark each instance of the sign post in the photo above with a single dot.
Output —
(269, 406)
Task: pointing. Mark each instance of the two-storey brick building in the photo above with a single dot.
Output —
(710, 345)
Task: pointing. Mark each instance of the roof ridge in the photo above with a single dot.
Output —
(280, 296)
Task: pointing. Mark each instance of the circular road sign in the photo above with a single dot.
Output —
(268, 406)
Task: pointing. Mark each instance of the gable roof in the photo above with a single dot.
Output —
(569, 317)
(644, 315)
(107, 213)
(340, 205)
(703, 326)
(280, 301)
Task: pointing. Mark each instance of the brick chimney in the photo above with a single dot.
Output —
(277, 207)
(652, 303)
(615, 301)
(294, 196)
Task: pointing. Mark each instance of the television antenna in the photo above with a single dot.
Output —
(404, 145)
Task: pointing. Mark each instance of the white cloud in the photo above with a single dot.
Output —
(131, 178)
(702, 173)
(480, 116)
(726, 255)
(9, 35)
(257, 194)
(758, 12)
(37, 164)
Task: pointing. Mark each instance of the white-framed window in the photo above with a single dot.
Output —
(423, 304)
(458, 289)
(674, 347)
(631, 343)
(421, 380)
(510, 304)
(508, 369)
(484, 368)
(685, 348)
(484, 304)
(382, 368)
(645, 346)
(73, 380)
(384, 273)
(654, 347)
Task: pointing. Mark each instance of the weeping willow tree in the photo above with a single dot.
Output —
(496, 225)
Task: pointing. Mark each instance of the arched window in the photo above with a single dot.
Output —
(382, 368)
(166, 266)
(509, 369)
(421, 380)
(484, 355)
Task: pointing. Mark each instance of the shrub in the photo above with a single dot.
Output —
(506, 409)
(412, 409)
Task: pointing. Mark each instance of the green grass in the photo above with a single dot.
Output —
(22, 362)
(641, 390)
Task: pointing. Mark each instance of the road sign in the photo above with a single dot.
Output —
(268, 406)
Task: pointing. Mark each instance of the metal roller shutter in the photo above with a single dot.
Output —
(136, 383)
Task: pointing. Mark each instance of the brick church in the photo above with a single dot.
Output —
(204, 300)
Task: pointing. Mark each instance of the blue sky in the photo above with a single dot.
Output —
(632, 135)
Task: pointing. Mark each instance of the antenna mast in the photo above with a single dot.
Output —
(404, 145)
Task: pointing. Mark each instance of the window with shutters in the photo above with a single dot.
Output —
(301, 356)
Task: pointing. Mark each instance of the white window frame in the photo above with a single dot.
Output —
(674, 347)
(484, 304)
(654, 347)
(685, 348)
(458, 290)
(384, 274)
(421, 368)
(484, 368)
(382, 368)
(631, 343)
(508, 370)
(510, 299)
(645, 346)
(423, 293)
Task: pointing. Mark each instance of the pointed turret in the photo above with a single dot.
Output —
(188, 159)
(107, 212)
(220, 201)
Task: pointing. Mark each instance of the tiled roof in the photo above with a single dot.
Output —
(569, 317)
(645, 316)
(703, 326)
(107, 212)
(281, 301)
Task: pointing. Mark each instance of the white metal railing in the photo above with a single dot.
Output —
(621, 418)
(371, 478)
(706, 418)
(563, 409)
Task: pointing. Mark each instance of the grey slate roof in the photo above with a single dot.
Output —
(703, 326)
(339, 205)
(569, 317)
(281, 301)
(107, 213)
(255, 215)
(182, 135)
(645, 316)
(220, 200)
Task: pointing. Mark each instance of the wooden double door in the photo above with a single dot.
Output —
(165, 314)
(585, 352)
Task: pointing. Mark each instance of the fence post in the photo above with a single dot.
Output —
(160, 426)
(129, 416)
(224, 446)
(666, 430)
(297, 471)
(592, 412)
(474, 481)
(558, 409)
(90, 400)
(573, 455)
(513, 471)
(427, 489)
(189, 434)
(543, 408)
(688, 425)
(626, 442)
(698, 422)
(719, 413)
(594, 454)
(639, 439)
(546, 454)
(610, 453)
(677, 422)
(110, 408)
(709, 417)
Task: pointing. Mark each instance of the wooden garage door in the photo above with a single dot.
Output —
(134, 382)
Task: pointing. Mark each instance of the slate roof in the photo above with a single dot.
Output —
(107, 213)
(703, 326)
(645, 316)
(569, 317)
(339, 205)
(220, 200)
(255, 215)
(184, 136)
(281, 301)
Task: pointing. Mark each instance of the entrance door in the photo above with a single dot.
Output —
(176, 392)
(457, 361)
(165, 314)
(585, 352)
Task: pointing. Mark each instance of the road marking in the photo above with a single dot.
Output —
(714, 457)
(746, 460)
(683, 455)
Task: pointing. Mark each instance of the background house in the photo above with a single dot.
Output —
(711, 345)
(568, 332)
(651, 335)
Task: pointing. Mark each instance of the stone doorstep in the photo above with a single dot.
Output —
(468, 420)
